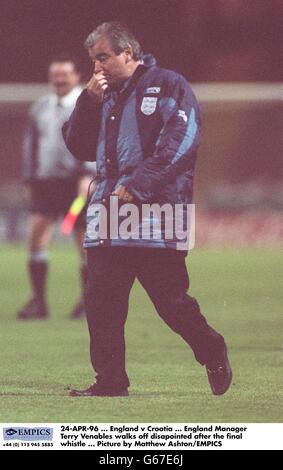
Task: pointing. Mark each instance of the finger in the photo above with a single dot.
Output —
(96, 78)
(129, 197)
(99, 75)
(95, 84)
(122, 191)
(115, 193)
(101, 80)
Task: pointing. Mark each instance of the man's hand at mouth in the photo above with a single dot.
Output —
(97, 86)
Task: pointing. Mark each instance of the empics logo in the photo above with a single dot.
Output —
(28, 434)
(11, 432)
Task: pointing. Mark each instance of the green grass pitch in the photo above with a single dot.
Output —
(239, 292)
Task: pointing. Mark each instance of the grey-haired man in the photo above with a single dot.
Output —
(141, 124)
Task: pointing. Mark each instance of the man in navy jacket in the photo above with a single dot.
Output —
(141, 125)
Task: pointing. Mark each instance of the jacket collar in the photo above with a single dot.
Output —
(147, 61)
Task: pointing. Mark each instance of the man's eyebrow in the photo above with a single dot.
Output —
(101, 55)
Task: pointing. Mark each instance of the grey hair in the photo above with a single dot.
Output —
(120, 38)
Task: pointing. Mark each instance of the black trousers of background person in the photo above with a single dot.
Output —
(163, 274)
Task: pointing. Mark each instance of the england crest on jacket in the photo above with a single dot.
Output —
(148, 105)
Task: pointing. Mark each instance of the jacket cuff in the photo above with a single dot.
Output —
(86, 100)
(138, 194)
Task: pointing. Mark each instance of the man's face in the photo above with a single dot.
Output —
(114, 67)
(63, 77)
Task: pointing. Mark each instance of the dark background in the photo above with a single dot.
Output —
(206, 40)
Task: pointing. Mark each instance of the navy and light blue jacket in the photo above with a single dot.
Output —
(145, 137)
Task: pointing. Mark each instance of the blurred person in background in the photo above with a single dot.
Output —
(54, 178)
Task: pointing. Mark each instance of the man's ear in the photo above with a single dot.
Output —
(128, 53)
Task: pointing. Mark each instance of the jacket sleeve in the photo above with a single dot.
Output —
(29, 148)
(175, 150)
(81, 131)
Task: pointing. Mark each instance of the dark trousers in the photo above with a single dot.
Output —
(163, 274)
